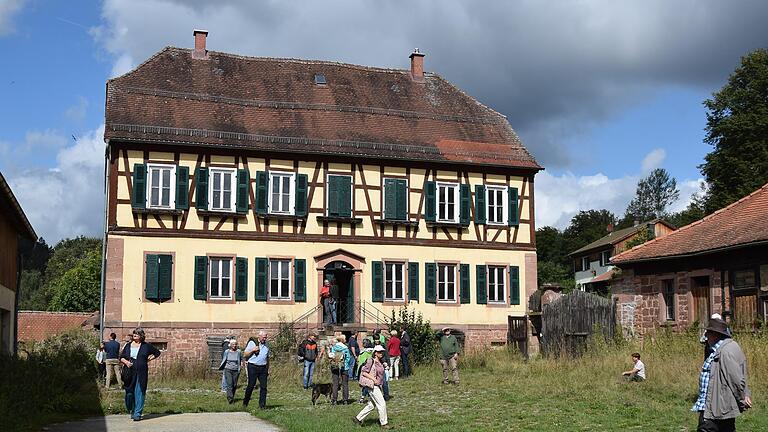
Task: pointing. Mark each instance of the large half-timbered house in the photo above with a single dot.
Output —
(236, 185)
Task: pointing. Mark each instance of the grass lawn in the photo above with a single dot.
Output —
(498, 392)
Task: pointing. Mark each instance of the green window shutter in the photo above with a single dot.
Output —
(165, 277)
(401, 197)
(139, 186)
(430, 282)
(201, 189)
(480, 204)
(301, 195)
(464, 204)
(377, 284)
(345, 196)
(513, 219)
(413, 281)
(182, 188)
(262, 278)
(201, 278)
(241, 279)
(514, 285)
(390, 199)
(151, 282)
(430, 202)
(482, 284)
(300, 280)
(464, 287)
(262, 189)
(243, 182)
(333, 195)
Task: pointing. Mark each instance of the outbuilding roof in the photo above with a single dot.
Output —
(615, 237)
(227, 100)
(740, 224)
(35, 326)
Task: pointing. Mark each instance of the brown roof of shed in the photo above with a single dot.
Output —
(274, 104)
(35, 326)
(742, 223)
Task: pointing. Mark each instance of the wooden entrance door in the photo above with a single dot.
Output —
(702, 308)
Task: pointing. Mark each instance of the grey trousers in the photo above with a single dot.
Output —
(231, 376)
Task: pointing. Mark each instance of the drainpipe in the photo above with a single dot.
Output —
(19, 269)
(104, 241)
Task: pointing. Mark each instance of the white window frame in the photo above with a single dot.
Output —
(504, 204)
(390, 276)
(172, 186)
(585, 266)
(500, 277)
(605, 257)
(220, 278)
(233, 188)
(328, 195)
(443, 283)
(288, 262)
(291, 192)
(456, 211)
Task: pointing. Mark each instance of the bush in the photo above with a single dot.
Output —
(286, 339)
(422, 336)
(56, 380)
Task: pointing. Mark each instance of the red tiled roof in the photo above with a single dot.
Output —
(274, 104)
(37, 325)
(741, 223)
(603, 277)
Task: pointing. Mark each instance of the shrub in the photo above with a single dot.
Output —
(422, 336)
(285, 340)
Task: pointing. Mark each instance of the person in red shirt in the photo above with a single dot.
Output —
(325, 299)
(393, 347)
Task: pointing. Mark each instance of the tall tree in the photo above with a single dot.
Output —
(653, 195)
(586, 227)
(77, 290)
(737, 128)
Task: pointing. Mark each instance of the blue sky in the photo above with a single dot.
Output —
(601, 92)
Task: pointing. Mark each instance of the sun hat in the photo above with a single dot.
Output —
(393, 332)
(718, 326)
(445, 328)
(378, 348)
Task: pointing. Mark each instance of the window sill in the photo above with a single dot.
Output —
(158, 211)
(221, 213)
(349, 220)
(287, 217)
(446, 225)
(397, 222)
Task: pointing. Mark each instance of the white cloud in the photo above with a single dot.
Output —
(653, 160)
(46, 140)
(8, 8)
(67, 200)
(560, 197)
(77, 112)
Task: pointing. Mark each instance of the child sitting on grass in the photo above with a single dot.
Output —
(638, 371)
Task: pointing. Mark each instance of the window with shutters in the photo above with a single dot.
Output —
(394, 285)
(281, 193)
(496, 199)
(223, 183)
(279, 279)
(446, 283)
(395, 199)
(161, 190)
(339, 196)
(497, 292)
(158, 276)
(448, 202)
(220, 272)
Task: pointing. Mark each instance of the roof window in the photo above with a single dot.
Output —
(320, 79)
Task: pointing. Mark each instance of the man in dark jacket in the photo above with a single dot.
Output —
(723, 390)
(112, 348)
(405, 352)
(308, 352)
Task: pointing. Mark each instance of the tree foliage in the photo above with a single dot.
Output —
(586, 227)
(737, 128)
(654, 194)
(78, 289)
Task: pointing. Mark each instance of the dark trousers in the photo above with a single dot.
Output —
(707, 425)
(102, 371)
(257, 372)
(336, 376)
(385, 389)
(406, 366)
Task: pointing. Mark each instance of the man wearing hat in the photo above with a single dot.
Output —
(723, 390)
(450, 359)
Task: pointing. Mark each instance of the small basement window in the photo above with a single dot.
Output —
(320, 79)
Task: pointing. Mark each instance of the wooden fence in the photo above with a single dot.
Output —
(569, 321)
(517, 334)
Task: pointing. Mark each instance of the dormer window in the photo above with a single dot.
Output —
(320, 79)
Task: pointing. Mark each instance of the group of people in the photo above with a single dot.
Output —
(255, 358)
(723, 391)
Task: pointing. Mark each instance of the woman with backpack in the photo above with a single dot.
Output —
(372, 377)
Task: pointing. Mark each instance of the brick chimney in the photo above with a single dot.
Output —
(200, 52)
(417, 65)
(609, 228)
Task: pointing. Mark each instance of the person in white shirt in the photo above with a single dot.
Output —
(638, 371)
(101, 357)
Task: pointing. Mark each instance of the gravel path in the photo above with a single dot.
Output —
(194, 422)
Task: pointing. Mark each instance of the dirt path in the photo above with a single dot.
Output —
(197, 422)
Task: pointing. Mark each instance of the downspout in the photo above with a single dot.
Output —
(722, 292)
(104, 241)
(19, 270)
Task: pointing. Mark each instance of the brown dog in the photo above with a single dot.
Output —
(321, 389)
